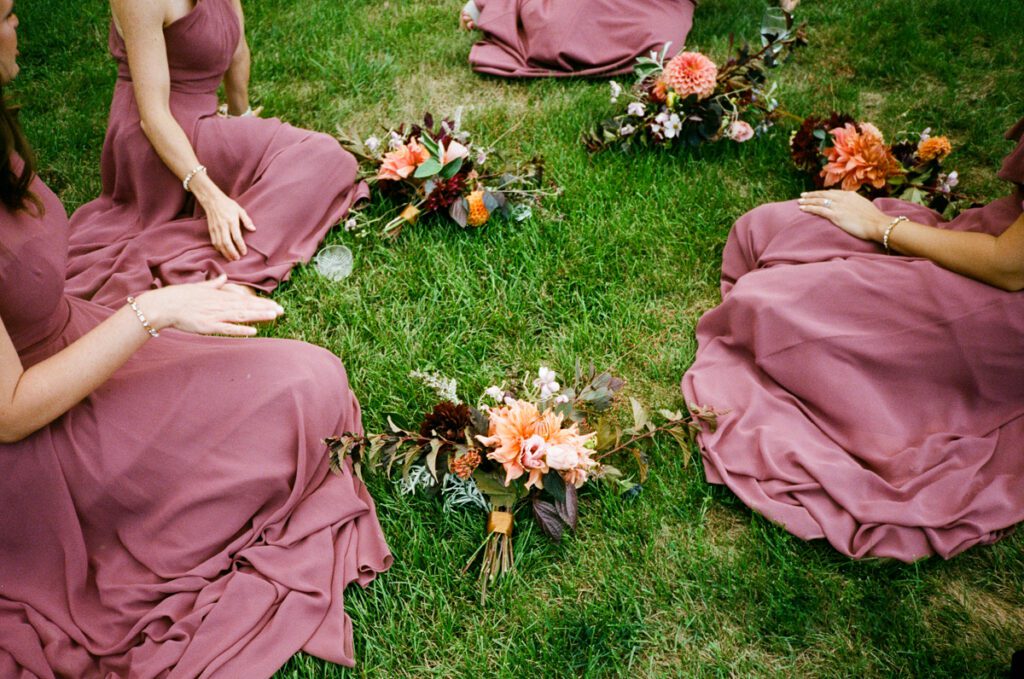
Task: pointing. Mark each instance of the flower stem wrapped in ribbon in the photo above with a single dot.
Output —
(525, 444)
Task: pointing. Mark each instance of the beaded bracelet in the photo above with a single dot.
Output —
(888, 230)
(188, 178)
(142, 318)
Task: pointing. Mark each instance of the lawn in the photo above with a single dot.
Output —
(683, 580)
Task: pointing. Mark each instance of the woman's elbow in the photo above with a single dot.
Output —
(1009, 272)
(1013, 282)
(12, 431)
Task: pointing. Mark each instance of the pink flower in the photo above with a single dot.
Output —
(524, 440)
(454, 150)
(740, 130)
(403, 161)
(858, 157)
(563, 456)
(533, 452)
(691, 73)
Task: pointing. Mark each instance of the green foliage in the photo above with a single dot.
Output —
(686, 582)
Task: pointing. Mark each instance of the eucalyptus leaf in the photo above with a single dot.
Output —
(452, 168)
(459, 212)
(491, 202)
(431, 146)
(428, 168)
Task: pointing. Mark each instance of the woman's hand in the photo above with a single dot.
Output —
(32, 398)
(224, 217)
(207, 308)
(851, 212)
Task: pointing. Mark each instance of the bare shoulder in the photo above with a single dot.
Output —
(132, 16)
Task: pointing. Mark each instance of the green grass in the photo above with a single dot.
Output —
(683, 580)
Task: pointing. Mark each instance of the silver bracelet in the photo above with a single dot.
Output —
(188, 178)
(888, 231)
(142, 318)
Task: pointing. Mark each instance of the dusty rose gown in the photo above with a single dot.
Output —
(543, 38)
(144, 229)
(181, 521)
(877, 400)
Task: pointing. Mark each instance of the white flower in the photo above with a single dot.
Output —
(350, 224)
(546, 382)
(445, 387)
(926, 134)
(395, 141)
(496, 393)
(672, 126)
(658, 126)
(562, 456)
(481, 157)
(626, 130)
(373, 143)
(616, 90)
(635, 108)
(948, 182)
(562, 398)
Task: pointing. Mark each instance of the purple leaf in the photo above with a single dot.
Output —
(547, 516)
(568, 508)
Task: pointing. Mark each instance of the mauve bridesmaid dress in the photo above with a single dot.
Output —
(877, 401)
(545, 38)
(144, 230)
(181, 521)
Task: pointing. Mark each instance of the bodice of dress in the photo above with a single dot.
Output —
(199, 47)
(33, 257)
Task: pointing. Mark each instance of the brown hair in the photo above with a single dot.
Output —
(15, 193)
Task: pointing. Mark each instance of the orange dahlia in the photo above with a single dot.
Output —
(478, 214)
(403, 161)
(858, 157)
(934, 148)
(691, 73)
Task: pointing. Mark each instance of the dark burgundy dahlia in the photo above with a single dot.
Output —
(445, 192)
(447, 421)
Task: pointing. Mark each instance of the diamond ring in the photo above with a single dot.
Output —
(828, 202)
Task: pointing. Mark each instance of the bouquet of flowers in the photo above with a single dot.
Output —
(840, 152)
(524, 445)
(689, 100)
(438, 169)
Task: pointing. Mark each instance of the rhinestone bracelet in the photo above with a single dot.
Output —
(142, 318)
(188, 178)
(888, 231)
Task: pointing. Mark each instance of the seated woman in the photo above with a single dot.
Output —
(186, 193)
(543, 38)
(876, 400)
(167, 501)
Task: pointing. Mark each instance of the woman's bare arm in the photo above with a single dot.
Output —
(996, 260)
(236, 80)
(30, 399)
(141, 23)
